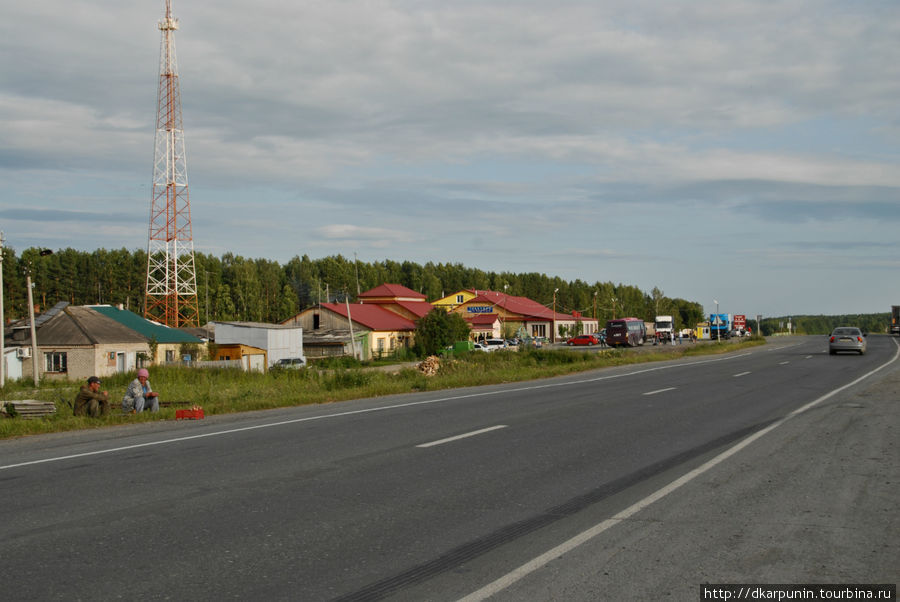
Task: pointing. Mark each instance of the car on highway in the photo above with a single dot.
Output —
(584, 339)
(847, 338)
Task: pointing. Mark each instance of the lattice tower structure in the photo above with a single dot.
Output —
(171, 292)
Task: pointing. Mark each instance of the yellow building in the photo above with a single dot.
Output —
(451, 302)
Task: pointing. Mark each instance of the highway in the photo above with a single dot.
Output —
(636, 482)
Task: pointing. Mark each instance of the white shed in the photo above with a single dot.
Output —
(280, 341)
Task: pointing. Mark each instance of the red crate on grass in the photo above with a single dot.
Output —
(188, 414)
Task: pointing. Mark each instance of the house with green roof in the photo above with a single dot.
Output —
(169, 340)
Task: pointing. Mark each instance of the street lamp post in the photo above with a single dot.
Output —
(2, 322)
(716, 301)
(553, 321)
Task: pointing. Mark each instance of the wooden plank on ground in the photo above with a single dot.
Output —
(29, 408)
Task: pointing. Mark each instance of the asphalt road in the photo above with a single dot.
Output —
(617, 484)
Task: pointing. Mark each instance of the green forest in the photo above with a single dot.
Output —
(232, 287)
(874, 323)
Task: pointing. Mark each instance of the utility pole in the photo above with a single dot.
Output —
(356, 266)
(553, 333)
(2, 322)
(350, 322)
(171, 291)
(34, 345)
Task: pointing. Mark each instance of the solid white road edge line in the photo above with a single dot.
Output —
(367, 410)
(463, 436)
(741, 374)
(547, 557)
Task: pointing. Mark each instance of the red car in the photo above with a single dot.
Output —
(584, 339)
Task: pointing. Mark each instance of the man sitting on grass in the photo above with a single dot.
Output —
(91, 400)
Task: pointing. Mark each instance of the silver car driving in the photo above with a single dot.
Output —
(847, 338)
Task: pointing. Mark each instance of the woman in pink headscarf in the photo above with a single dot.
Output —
(140, 395)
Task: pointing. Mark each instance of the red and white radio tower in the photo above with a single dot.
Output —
(171, 293)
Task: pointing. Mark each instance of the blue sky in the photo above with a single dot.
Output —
(741, 151)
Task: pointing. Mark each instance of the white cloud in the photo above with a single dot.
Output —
(411, 125)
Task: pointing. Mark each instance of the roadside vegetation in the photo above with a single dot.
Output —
(222, 391)
(875, 323)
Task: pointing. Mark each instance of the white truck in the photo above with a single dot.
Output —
(665, 327)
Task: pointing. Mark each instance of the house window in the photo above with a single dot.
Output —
(459, 298)
(316, 323)
(55, 361)
(170, 355)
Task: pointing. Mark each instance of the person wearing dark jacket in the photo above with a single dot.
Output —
(91, 400)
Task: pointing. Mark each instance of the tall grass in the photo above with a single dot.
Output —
(223, 391)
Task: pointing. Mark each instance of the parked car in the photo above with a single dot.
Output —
(481, 347)
(291, 363)
(584, 339)
(495, 344)
(847, 338)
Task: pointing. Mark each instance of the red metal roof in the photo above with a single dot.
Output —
(519, 305)
(393, 291)
(420, 308)
(372, 316)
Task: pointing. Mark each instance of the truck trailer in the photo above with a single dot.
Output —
(719, 326)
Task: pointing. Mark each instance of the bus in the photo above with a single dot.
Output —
(629, 332)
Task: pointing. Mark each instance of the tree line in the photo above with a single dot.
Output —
(232, 287)
(874, 323)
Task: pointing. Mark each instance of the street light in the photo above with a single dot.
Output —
(716, 301)
(2, 322)
(553, 318)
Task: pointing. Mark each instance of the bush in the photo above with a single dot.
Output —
(437, 330)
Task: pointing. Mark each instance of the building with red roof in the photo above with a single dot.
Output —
(511, 316)
(381, 322)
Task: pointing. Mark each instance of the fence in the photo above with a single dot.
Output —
(236, 364)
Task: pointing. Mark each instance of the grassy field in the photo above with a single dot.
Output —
(228, 391)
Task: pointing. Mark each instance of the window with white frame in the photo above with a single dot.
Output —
(55, 361)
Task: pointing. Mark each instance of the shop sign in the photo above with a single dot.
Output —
(480, 309)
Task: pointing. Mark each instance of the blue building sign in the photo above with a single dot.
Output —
(482, 309)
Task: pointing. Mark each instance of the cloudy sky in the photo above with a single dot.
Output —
(740, 151)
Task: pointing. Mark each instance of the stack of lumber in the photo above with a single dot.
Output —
(27, 408)
(430, 365)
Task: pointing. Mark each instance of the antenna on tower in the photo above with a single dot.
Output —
(171, 292)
